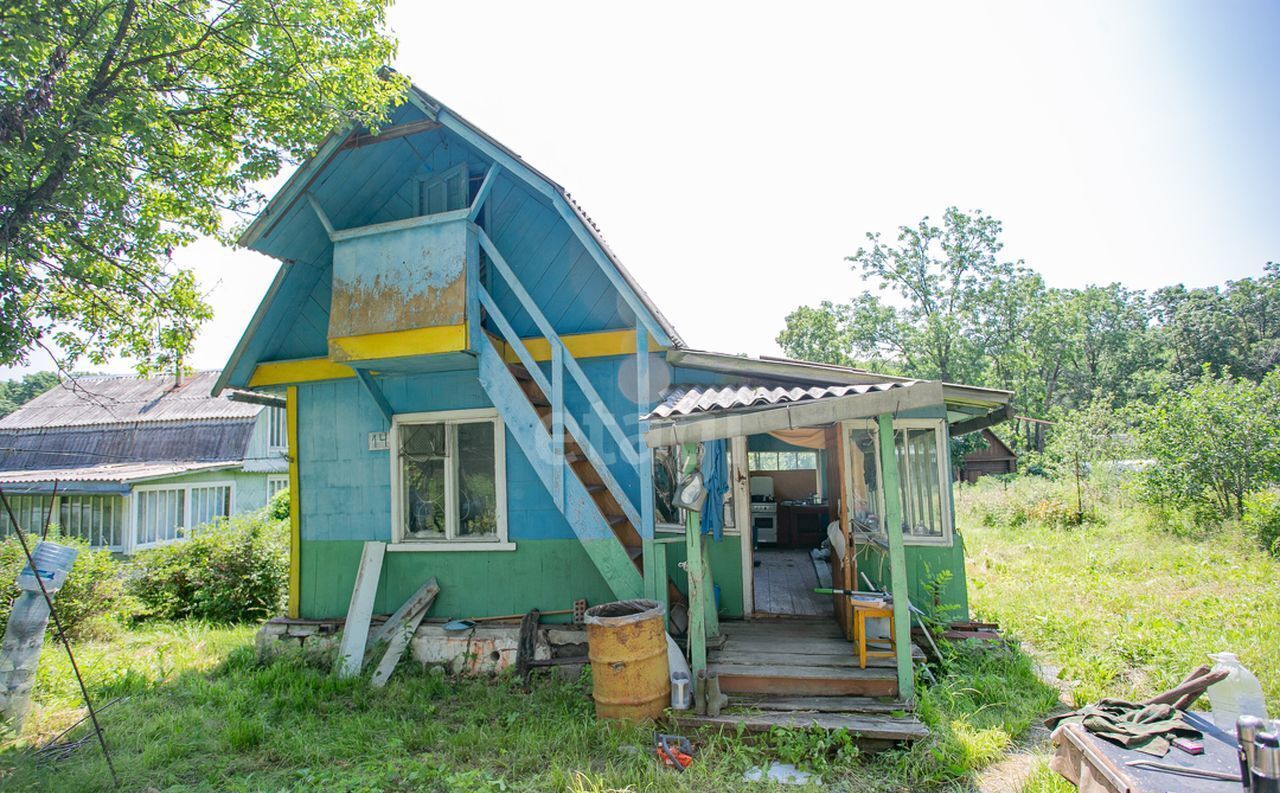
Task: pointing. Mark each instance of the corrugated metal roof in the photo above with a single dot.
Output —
(113, 472)
(115, 400)
(206, 440)
(687, 400)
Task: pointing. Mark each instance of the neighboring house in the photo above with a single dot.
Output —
(996, 458)
(474, 379)
(135, 461)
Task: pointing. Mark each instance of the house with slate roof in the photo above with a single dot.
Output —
(127, 463)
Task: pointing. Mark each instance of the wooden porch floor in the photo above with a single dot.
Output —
(800, 672)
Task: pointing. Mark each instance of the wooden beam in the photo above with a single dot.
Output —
(482, 194)
(399, 343)
(355, 633)
(375, 393)
(981, 422)
(693, 566)
(897, 557)
(320, 213)
(295, 505)
(298, 370)
(356, 140)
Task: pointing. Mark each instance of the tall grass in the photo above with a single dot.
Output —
(1128, 602)
(203, 712)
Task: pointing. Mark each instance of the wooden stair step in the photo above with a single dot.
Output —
(803, 680)
(826, 704)
(634, 551)
(615, 520)
(871, 726)
(520, 373)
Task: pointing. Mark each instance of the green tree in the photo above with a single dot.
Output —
(939, 273)
(16, 393)
(1232, 329)
(1212, 444)
(1082, 438)
(129, 127)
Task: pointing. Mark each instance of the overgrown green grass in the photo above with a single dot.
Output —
(1126, 604)
(204, 713)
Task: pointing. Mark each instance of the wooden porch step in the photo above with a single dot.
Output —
(828, 704)
(870, 727)
(805, 680)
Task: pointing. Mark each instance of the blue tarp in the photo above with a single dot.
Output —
(715, 476)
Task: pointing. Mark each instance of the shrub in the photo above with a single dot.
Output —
(231, 571)
(92, 602)
(1262, 519)
(1211, 445)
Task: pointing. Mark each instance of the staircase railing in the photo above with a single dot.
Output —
(561, 362)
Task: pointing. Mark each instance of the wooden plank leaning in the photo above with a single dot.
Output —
(355, 632)
(401, 628)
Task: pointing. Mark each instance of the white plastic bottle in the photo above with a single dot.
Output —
(1239, 694)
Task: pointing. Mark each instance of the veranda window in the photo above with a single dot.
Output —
(922, 476)
(449, 478)
(96, 519)
(163, 513)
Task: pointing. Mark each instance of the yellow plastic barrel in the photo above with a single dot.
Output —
(627, 645)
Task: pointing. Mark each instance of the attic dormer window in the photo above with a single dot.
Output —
(444, 192)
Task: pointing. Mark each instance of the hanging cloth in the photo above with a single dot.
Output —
(715, 478)
(808, 437)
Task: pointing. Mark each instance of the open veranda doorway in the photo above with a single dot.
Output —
(788, 481)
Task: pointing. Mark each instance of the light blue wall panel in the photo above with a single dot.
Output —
(346, 489)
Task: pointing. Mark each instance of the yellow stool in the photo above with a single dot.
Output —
(862, 613)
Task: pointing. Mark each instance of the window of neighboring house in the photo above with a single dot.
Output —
(208, 503)
(277, 430)
(96, 519)
(921, 458)
(30, 512)
(275, 484)
(449, 478)
(783, 461)
(666, 477)
(445, 192)
(163, 512)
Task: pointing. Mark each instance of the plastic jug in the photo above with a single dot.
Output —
(1239, 694)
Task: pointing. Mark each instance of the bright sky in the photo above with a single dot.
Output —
(734, 154)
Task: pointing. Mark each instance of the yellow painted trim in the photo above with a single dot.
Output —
(399, 343)
(447, 338)
(295, 500)
(583, 345)
(300, 370)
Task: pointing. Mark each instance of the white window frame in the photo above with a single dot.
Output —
(280, 416)
(185, 487)
(944, 474)
(273, 479)
(450, 418)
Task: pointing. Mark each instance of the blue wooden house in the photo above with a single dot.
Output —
(474, 379)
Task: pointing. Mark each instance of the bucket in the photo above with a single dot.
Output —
(53, 563)
(627, 645)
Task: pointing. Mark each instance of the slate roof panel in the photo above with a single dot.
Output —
(687, 400)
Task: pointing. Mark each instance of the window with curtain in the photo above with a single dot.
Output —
(98, 520)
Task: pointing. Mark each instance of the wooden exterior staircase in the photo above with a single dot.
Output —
(530, 395)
